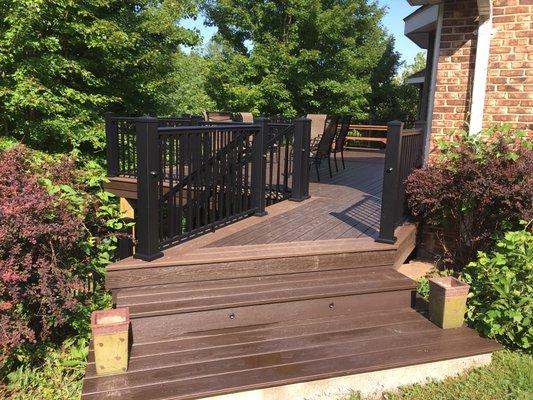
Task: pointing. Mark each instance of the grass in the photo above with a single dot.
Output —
(510, 376)
(59, 377)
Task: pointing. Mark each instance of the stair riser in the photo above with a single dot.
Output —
(189, 273)
(165, 327)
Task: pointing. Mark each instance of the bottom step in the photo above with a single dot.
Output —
(245, 358)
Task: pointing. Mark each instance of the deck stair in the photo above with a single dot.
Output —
(302, 294)
(232, 329)
(161, 312)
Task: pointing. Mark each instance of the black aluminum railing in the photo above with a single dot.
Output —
(121, 141)
(195, 178)
(404, 154)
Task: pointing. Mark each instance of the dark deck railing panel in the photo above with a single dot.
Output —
(193, 176)
(121, 141)
(404, 154)
(279, 162)
(204, 178)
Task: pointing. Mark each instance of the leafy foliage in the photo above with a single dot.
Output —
(300, 56)
(400, 100)
(478, 188)
(500, 303)
(65, 62)
(57, 233)
(423, 283)
(58, 376)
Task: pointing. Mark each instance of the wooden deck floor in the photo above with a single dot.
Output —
(345, 206)
(342, 215)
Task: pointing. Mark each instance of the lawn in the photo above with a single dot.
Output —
(510, 376)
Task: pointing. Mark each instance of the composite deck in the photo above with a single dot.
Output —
(345, 206)
(301, 294)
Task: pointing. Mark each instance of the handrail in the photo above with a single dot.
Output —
(207, 163)
(404, 154)
(197, 175)
(209, 128)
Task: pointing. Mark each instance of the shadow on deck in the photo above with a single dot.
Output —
(347, 205)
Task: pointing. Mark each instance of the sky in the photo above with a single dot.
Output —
(397, 10)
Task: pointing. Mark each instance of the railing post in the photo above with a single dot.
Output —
(422, 126)
(300, 174)
(147, 221)
(259, 168)
(389, 197)
(111, 134)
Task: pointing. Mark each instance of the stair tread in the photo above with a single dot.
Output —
(265, 356)
(212, 295)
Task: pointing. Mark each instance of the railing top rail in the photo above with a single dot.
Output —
(280, 123)
(224, 122)
(412, 132)
(141, 119)
(207, 128)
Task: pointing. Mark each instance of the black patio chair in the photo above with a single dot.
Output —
(340, 140)
(322, 149)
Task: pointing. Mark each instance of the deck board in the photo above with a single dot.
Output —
(347, 205)
(224, 361)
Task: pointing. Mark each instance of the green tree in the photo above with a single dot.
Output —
(400, 100)
(64, 62)
(296, 56)
(184, 91)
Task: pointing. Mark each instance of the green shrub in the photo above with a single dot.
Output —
(478, 188)
(423, 283)
(500, 303)
(58, 376)
(58, 231)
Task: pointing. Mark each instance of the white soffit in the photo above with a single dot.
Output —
(417, 78)
(420, 23)
(423, 2)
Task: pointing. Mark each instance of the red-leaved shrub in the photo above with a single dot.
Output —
(56, 236)
(38, 236)
(478, 188)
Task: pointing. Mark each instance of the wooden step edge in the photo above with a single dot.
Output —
(428, 356)
(259, 252)
(178, 361)
(420, 357)
(276, 290)
(408, 286)
(408, 315)
(273, 327)
(269, 251)
(259, 282)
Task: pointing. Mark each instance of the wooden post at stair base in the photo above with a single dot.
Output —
(110, 330)
(391, 176)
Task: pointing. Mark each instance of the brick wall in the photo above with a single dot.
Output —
(509, 97)
(510, 82)
(455, 71)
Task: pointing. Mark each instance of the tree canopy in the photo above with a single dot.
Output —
(295, 56)
(64, 62)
